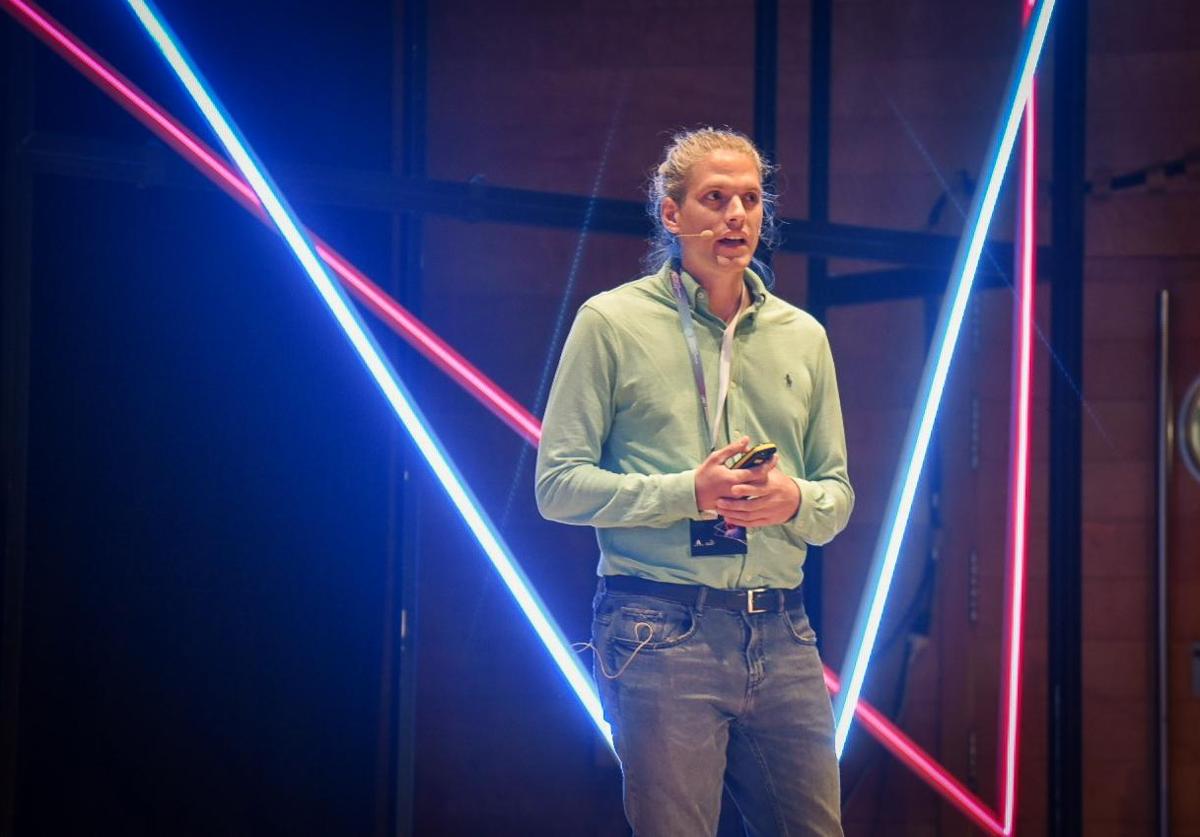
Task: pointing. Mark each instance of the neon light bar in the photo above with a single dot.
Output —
(195, 151)
(373, 358)
(937, 366)
(1018, 484)
(920, 762)
(172, 132)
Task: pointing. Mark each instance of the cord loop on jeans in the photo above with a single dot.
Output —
(637, 630)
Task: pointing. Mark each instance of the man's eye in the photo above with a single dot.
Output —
(713, 196)
(752, 198)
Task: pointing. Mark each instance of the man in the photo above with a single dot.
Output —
(705, 660)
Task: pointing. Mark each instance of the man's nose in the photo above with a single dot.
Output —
(735, 212)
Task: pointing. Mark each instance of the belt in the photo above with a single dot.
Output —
(757, 600)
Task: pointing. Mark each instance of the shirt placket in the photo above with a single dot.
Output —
(736, 424)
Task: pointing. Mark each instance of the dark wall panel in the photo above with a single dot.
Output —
(207, 522)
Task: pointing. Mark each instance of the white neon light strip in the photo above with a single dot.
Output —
(933, 378)
(377, 364)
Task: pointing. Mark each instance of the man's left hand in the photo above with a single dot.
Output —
(769, 500)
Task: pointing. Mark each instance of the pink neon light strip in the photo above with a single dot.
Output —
(172, 132)
(1018, 502)
(920, 762)
(146, 111)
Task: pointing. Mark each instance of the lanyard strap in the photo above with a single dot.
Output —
(683, 306)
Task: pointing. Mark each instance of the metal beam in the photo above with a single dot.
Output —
(1064, 675)
(151, 165)
(898, 283)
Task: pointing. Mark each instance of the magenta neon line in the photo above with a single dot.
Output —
(1018, 530)
(933, 380)
(909, 753)
(127, 94)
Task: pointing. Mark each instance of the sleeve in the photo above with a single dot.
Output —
(826, 496)
(570, 485)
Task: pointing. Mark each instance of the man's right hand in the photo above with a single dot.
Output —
(715, 480)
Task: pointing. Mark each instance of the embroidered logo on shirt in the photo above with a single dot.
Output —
(788, 377)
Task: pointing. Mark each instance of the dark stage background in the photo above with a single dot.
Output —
(235, 601)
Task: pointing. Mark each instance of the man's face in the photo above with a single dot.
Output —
(724, 194)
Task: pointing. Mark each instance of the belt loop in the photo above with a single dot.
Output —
(700, 598)
(781, 601)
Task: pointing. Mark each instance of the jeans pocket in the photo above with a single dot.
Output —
(643, 622)
(799, 627)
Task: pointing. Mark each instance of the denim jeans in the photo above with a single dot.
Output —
(708, 697)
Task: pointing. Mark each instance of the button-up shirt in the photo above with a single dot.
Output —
(624, 431)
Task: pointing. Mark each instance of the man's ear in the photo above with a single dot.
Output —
(670, 215)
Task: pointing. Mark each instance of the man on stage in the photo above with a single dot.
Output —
(705, 660)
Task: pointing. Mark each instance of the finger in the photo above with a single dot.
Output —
(740, 476)
(743, 490)
(759, 504)
(748, 520)
(757, 479)
(754, 501)
(729, 451)
(741, 507)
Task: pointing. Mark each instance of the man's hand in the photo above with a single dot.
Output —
(768, 498)
(714, 480)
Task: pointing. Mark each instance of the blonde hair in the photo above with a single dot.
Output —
(669, 180)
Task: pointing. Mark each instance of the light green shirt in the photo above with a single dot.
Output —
(623, 432)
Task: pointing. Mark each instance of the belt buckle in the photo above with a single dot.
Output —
(750, 594)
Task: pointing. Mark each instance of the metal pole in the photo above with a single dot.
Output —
(819, 92)
(819, 96)
(407, 278)
(1166, 417)
(766, 76)
(766, 89)
(1065, 692)
(17, 215)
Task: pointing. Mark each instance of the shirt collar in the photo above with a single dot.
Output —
(754, 284)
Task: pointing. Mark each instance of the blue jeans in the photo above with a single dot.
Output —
(707, 697)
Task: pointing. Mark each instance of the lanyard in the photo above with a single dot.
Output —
(689, 336)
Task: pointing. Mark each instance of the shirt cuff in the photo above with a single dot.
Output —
(679, 494)
(811, 495)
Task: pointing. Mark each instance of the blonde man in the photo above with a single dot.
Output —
(705, 660)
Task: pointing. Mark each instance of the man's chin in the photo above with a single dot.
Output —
(738, 262)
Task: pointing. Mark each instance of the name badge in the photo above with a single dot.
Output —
(716, 537)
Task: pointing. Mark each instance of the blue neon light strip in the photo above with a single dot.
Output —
(377, 364)
(937, 366)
